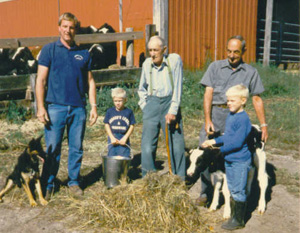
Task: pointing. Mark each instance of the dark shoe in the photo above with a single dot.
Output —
(76, 190)
(201, 201)
(238, 215)
(49, 193)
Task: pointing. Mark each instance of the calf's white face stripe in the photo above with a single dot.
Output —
(195, 154)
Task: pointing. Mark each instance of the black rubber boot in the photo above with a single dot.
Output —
(237, 216)
(232, 212)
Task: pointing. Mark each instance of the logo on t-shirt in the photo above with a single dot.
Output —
(78, 57)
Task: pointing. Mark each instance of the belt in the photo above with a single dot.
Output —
(220, 105)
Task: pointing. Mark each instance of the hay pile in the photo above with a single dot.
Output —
(153, 204)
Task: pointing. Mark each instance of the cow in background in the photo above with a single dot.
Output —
(109, 55)
(6, 66)
(17, 61)
(103, 55)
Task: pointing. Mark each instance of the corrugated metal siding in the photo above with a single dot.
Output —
(193, 33)
(37, 18)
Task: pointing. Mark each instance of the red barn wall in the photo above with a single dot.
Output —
(38, 18)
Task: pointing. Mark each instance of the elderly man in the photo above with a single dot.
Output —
(219, 77)
(64, 77)
(160, 94)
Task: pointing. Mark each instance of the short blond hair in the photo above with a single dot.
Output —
(238, 90)
(118, 92)
(68, 17)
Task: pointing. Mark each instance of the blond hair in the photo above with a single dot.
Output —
(238, 90)
(118, 92)
(68, 17)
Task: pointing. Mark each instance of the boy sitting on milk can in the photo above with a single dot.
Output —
(119, 123)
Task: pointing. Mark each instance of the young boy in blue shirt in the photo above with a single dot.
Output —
(236, 153)
(119, 123)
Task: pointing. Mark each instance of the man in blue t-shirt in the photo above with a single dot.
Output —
(119, 123)
(64, 77)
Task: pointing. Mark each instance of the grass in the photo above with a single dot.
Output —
(291, 181)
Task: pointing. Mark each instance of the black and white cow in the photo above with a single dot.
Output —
(24, 61)
(213, 160)
(6, 66)
(103, 55)
(17, 61)
(86, 30)
(109, 55)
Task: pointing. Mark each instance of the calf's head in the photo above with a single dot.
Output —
(201, 159)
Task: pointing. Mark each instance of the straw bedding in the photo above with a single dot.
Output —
(152, 204)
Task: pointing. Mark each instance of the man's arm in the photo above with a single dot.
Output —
(92, 98)
(177, 90)
(142, 91)
(260, 113)
(41, 80)
(207, 105)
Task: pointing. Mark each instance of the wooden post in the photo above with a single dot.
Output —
(129, 51)
(150, 31)
(268, 33)
(32, 84)
(121, 26)
(161, 18)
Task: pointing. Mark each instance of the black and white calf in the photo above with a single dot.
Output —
(213, 160)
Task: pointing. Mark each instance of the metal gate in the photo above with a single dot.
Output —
(285, 42)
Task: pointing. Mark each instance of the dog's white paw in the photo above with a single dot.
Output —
(43, 202)
(33, 204)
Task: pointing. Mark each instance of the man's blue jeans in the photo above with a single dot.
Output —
(153, 120)
(74, 119)
(237, 175)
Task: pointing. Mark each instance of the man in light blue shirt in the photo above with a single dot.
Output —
(160, 94)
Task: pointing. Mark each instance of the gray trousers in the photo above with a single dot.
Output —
(153, 120)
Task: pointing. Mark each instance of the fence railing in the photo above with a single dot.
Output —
(21, 88)
(81, 39)
(285, 42)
